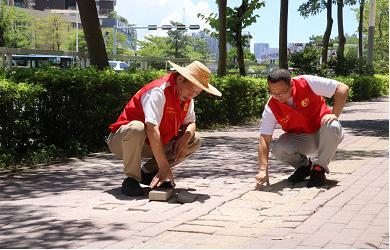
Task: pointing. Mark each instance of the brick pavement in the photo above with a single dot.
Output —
(77, 204)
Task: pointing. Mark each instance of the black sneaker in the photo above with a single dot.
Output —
(131, 187)
(300, 173)
(317, 177)
(146, 178)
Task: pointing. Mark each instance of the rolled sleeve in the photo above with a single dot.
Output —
(322, 86)
(153, 102)
(268, 122)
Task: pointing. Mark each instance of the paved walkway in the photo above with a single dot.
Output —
(77, 204)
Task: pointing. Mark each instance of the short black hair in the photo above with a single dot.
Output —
(279, 75)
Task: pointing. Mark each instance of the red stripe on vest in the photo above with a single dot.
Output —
(308, 111)
(174, 111)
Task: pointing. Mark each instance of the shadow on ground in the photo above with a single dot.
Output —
(377, 128)
(219, 156)
(22, 227)
(279, 186)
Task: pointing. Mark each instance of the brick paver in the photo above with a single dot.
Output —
(77, 204)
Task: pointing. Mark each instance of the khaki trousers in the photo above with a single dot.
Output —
(128, 143)
(292, 148)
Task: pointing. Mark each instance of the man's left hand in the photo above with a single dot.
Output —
(328, 118)
(161, 176)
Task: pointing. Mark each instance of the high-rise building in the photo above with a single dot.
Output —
(54, 4)
(260, 49)
(67, 10)
(247, 36)
(104, 7)
(212, 42)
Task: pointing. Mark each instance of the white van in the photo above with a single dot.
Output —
(118, 65)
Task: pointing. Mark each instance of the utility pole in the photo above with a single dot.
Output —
(184, 16)
(115, 27)
(371, 29)
(77, 27)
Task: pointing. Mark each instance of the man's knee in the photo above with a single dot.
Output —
(331, 131)
(284, 145)
(279, 149)
(133, 129)
(195, 142)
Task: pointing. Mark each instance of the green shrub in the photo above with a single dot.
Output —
(51, 113)
(364, 87)
(350, 66)
(367, 87)
(242, 100)
(385, 84)
(42, 154)
(19, 115)
(307, 61)
(70, 109)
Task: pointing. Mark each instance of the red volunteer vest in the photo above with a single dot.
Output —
(174, 112)
(308, 111)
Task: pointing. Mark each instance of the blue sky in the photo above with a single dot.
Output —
(265, 30)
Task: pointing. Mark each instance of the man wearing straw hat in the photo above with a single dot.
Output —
(159, 123)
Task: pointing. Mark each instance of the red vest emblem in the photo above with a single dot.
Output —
(305, 102)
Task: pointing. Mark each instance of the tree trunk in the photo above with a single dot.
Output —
(221, 71)
(371, 32)
(283, 61)
(176, 49)
(361, 15)
(93, 34)
(340, 25)
(239, 44)
(380, 31)
(328, 31)
(240, 55)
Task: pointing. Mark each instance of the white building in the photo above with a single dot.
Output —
(260, 49)
(212, 43)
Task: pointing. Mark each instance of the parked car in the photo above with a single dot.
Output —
(118, 65)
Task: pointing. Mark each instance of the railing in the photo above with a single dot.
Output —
(83, 58)
(144, 62)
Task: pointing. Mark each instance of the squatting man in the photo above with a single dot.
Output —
(158, 123)
(297, 104)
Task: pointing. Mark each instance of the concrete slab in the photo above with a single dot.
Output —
(160, 194)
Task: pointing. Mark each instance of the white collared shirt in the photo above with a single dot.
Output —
(153, 102)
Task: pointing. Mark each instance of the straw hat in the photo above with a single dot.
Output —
(198, 74)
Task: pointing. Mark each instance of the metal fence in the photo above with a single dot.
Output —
(81, 59)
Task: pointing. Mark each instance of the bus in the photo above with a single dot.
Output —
(39, 61)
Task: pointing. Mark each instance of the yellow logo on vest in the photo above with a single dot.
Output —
(285, 119)
(305, 102)
(185, 108)
(170, 110)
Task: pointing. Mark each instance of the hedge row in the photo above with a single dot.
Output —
(48, 112)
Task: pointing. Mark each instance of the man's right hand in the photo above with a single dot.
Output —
(162, 175)
(261, 178)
